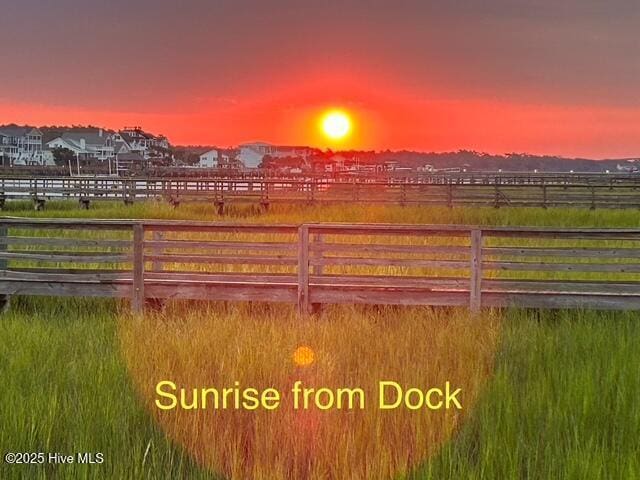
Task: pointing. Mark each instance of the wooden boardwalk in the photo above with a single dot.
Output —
(496, 190)
(314, 264)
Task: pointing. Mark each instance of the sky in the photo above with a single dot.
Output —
(548, 77)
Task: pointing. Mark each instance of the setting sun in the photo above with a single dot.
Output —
(336, 124)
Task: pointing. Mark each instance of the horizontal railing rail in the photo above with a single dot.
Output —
(314, 264)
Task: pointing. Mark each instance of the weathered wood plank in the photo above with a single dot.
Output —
(388, 296)
(562, 267)
(475, 293)
(40, 269)
(379, 248)
(392, 262)
(66, 277)
(64, 242)
(552, 287)
(330, 280)
(571, 301)
(220, 259)
(224, 277)
(391, 281)
(304, 306)
(3, 247)
(66, 223)
(390, 229)
(137, 292)
(64, 289)
(578, 252)
(229, 292)
(213, 244)
(4, 231)
(70, 256)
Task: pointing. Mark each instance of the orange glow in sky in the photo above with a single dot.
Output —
(382, 117)
(384, 112)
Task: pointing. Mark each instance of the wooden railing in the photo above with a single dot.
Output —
(533, 190)
(313, 264)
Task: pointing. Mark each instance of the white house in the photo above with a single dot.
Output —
(143, 143)
(20, 145)
(219, 158)
(209, 159)
(96, 144)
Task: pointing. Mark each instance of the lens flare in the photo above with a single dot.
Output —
(303, 356)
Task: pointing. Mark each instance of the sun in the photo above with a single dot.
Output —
(336, 124)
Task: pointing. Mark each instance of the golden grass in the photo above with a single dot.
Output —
(199, 345)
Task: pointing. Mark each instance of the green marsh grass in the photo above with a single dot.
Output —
(560, 402)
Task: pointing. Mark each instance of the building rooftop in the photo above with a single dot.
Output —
(16, 130)
(96, 137)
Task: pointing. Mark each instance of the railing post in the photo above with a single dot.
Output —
(303, 270)
(475, 300)
(4, 232)
(137, 297)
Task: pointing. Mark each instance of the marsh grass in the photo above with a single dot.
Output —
(65, 389)
(560, 402)
(199, 345)
(348, 212)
